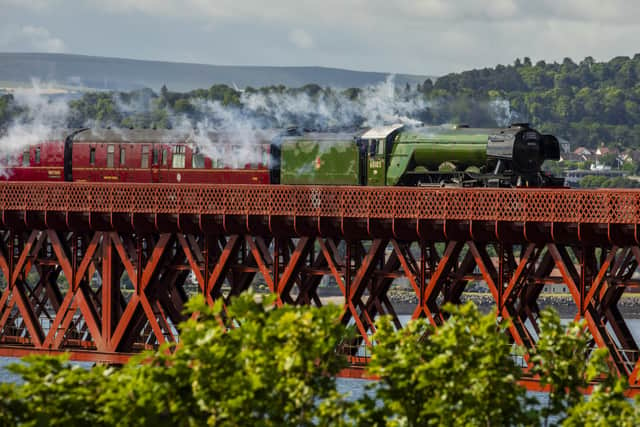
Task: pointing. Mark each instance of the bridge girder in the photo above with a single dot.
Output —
(105, 295)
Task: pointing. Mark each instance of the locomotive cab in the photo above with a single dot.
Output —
(377, 144)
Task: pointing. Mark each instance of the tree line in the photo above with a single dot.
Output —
(591, 103)
(278, 368)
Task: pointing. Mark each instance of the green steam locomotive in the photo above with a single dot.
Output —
(419, 156)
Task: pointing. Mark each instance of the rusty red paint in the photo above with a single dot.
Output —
(292, 237)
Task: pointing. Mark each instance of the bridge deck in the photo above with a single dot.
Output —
(357, 212)
(515, 205)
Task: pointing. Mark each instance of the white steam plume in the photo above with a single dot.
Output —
(500, 110)
(245, 127)
(225, 135)
(44, 114)
(375, 105)
(213, 127)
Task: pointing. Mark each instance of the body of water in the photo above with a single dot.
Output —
(353, 386)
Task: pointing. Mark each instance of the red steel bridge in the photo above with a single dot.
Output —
(65, 250)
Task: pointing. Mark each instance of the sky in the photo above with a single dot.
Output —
(424, 37)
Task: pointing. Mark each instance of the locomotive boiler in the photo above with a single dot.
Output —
(395, 155)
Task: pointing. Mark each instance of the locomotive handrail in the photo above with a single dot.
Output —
(515, 205)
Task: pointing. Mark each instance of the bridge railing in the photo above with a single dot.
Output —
(540, 205)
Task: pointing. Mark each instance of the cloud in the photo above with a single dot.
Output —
(391, 11)
(31, 38)
(41, 39)
(150, 7)
(428, 37)
(300, 39)
(35, 5)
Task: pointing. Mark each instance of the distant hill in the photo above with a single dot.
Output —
(125, 74)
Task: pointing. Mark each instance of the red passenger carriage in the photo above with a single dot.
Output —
(105, 155)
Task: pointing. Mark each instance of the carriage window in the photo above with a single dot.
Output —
(37, 155)
(197, 160)
(381, 147)
(178, 160)
(92, 156)
(165, 157)
(217, 161)
(154, 161)
(111, 149)
(25, 157)
(122, 156)
(144, 157)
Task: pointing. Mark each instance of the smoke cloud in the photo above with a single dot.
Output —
(504, 115)
(262, 113)
(377, 105)
(43, 114)
(226, 135)
(245, 126)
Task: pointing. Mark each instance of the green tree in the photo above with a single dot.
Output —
(255, 365)
(352, 93)
(609, 159)
(54, 393)
(164, 92)
(183, 106)
(462, 373)
(224, 94)
(276, 369)
(564, 360)
(427, 86)
(7, 110)
(607, 406)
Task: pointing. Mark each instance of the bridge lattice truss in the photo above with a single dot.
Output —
(103, 271)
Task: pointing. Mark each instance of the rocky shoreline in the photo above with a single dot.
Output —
(404, 302)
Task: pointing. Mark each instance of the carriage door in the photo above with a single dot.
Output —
(156, 151)
(145, 164)
(376, 164)
(363, 160)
